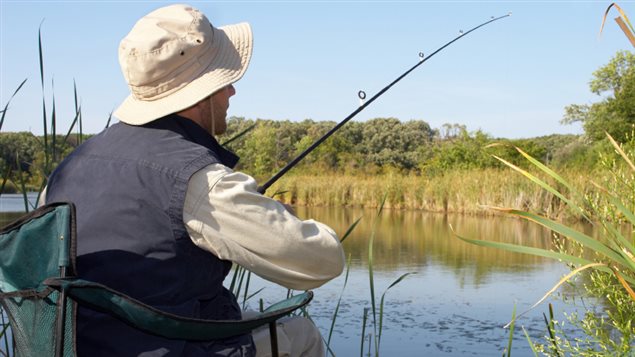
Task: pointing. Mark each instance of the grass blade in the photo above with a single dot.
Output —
(548, 171)
(551, 330)
(240, 282)
(8, 170)
(555, 287)
(531, 344)
(279, 193)
(630, 291)
(544, 185)
(246, 289)
(580, 237)
(621, 152)
(337, 307)
(53, 130)
(46, 146)
(526, 250)
(381, 307)
(626, 27)
(22, 183)
(511, 332)
(350, 229)
(4, 111)
(70, 129)
(254, 294)
(78, 111)
(364, 318)
(108, 121)
(232, 285)
(370, 268)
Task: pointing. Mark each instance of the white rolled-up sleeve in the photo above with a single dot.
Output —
(225, 215)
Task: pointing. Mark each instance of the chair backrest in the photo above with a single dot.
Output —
(38, 246)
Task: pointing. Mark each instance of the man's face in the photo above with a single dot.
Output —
(218, 105)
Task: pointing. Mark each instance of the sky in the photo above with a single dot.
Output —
(512, 78)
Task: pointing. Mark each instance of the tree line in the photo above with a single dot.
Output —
(380, 145)
(359, 148)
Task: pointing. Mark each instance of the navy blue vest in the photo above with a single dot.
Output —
(129, 185)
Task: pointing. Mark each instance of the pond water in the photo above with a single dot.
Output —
(459, 297)
(455, 302)
(11, 203)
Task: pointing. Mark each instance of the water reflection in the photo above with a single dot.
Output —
(460, 297)
(14, 202)
(413, 239)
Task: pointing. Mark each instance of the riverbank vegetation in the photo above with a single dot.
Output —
(602, 266)
(448, 169)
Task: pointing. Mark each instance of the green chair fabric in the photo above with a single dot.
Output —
(33, 249)
(39, 291)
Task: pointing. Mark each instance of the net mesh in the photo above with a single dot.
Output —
(31, 250)
(33, 325)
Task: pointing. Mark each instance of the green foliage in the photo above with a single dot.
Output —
(18, 148)
(23, 159)
(456, 148)
(357, 147)
(615, 114)
(388, 142)
(459, 149)
(608, 259)
(375, 147)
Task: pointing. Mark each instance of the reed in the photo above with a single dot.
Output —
(460, 191)
(53, 154)
(377, 316)
(508, 350)
(608, 260)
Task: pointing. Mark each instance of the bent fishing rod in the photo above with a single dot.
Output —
(362, 96)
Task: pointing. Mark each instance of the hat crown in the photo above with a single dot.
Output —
(161, 47)
(174, 58)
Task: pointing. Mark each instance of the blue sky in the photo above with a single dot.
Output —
(511, 79)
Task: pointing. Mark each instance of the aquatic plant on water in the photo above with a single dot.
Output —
(377, 316)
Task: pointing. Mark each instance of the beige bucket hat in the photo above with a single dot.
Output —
(173, 58)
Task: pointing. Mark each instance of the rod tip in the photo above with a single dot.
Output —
(509, 13)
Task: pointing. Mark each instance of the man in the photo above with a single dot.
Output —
(161, 214)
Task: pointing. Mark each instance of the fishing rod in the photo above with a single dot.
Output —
(362, 96)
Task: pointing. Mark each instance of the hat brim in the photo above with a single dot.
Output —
(236, 43)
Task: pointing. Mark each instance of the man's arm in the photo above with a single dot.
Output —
(225, 215)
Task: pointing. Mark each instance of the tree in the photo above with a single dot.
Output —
(19, 147)
(615, 114)
(388, 142)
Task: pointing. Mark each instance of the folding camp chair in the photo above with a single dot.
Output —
(39, 291)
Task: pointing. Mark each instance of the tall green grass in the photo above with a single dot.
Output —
(377, 315)
(608, 260)
(52, 152)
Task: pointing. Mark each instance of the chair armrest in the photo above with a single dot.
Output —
(157, 322)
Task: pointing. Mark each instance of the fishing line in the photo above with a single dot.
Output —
(364, 103)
